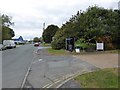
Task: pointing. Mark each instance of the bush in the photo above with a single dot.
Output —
(58, 44)
(81, 43)
(91, 47)
(109, 46)
(84, 45)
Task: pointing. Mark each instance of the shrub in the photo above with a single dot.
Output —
(91, 47)
(81, 43)
(58, 44)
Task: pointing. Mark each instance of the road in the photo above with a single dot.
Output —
(46, 69)
(15, 63)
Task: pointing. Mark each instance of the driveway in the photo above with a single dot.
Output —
(49, 69)
(108, 60)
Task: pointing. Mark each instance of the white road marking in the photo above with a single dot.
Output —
(26, 75)
(63, 83)
(45, 86)
(37, 61)
(58, 81)
(40, 60)
(49, 85)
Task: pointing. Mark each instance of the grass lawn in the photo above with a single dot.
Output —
(56, 52)
(46, 44)
(106, 78)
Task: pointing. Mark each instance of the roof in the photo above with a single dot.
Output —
(19, 39)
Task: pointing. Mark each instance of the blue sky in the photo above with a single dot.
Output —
(29, 15)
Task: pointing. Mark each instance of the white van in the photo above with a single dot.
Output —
(9, 44)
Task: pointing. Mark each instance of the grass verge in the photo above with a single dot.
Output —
(56, 52)
(106, 78)
(46, 44)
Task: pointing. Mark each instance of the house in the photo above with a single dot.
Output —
(19, 40)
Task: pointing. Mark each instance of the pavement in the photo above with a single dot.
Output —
(108, 60)
(103, 60)
(48, 70)
(70, 84)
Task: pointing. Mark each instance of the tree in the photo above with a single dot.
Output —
(95, 23)
(49, 32)
(36, 39)
(6, 20)
(7, 32)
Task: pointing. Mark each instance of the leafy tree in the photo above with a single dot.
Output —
(116, 32)
(92, 24)
(36, 39)
(7, 32)
(6, 20)
(49, 32)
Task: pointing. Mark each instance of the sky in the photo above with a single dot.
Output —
(29, 15)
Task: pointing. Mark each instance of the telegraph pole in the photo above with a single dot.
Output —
(43, 26)
(119, 5)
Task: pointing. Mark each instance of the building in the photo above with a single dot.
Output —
(19, 40)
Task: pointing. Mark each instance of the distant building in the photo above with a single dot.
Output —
(19, 40)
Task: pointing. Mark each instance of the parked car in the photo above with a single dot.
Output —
(36, 44)
(9, 44)
(2, 47)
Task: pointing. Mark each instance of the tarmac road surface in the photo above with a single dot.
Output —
(49, 69)
(15, 63)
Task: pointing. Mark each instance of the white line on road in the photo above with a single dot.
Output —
(51, 84)
(58, 81)
(37, 61)
(63, 83)
(27, 73)
(45, 86)
(25, 78)
(40, 60)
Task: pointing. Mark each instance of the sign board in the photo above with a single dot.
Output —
(77, 50)
(100, 46)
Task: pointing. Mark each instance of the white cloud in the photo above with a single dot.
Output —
(28, 33)
(29, 15)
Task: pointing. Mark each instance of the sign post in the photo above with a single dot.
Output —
(99, 46)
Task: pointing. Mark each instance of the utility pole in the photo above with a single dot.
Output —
(119, 5)
(43, 26)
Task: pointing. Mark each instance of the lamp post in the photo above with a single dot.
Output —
(43, 26)
(119, 5)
